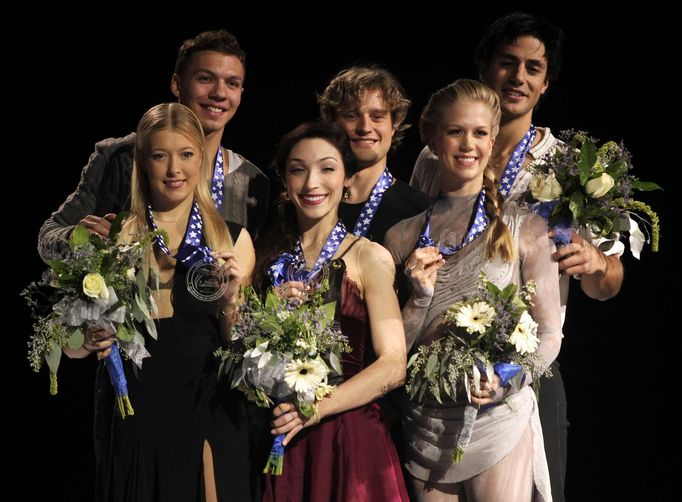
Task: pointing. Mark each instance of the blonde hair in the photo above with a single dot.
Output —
(498, 241)
(177, 118)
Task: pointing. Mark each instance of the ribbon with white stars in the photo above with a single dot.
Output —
(369, 210)
(516, 162)
(191, 250)
(218, 181)
(291, 267)
(478, 225)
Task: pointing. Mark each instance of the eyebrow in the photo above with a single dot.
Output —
(214, 74)
(506, 55)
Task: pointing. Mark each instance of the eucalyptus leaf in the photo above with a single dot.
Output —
(53, 357)
(76, 339)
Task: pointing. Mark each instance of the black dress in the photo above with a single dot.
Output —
(157, 453)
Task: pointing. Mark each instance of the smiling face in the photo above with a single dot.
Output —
(212, 87)
(314, 178)
(172, 164)
(463, 141)
(369, 127)
(518, 74)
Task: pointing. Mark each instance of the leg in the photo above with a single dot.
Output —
(209, 474)
(510, 480)
(552, 408)
(437, 492)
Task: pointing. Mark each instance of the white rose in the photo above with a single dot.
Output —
(545, 188)
(95, 287)
(598, 187)
(130, 274)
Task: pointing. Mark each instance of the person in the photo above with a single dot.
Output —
(370, 105)
(209, 79)
(505, 459)
(188, 437)
(344, 451)
(519, 56)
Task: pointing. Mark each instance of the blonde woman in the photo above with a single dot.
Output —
(470, 232)
(188, 438)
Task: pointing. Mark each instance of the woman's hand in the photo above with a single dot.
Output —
(233, 273)
(489, 392)
(289, 420)
(99, 340)
(422, 268)
(292, 290)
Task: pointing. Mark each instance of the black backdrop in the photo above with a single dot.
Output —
(87, 82)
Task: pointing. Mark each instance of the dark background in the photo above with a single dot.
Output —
(88, 81)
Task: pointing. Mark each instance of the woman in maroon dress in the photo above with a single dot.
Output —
(344, 452)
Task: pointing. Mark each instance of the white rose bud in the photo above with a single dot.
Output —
(545, 188)
(598, 187)
(95, 287)
(130, 274)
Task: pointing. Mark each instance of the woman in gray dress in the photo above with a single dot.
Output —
(471, 233)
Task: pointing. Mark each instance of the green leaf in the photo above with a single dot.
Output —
(123, 334)
(328, 310)
(645, 186)
(509, 291)
(413, 358)
(431, 365)
(335, 363)
(436, 393)
(587, 159)
(117, 224)
(76, 339)
(576, 205)
(53, 357)
(79, 236)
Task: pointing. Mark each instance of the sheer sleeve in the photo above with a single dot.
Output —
(537, 265)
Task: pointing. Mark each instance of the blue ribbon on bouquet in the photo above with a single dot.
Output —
(114, 366)
(275, 461)
(562, 228)
(506, 371)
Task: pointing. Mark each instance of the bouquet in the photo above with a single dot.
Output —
(284, 350)
(491, 333)
(99, 284)
(583, 186)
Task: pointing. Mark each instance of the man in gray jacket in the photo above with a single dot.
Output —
(209, 79)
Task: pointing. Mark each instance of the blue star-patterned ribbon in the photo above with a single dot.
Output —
(291, 267)
(218, 181)
(478, 225)
(516, 161)
(369, 210)
(191, 250)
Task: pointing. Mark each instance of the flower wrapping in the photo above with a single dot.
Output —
(581, 186)
(284, 350)
(99, 284)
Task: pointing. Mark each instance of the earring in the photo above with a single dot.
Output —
(285, 195)
(346, 194)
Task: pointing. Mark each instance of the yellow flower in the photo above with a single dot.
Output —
(598, 187)
(95, 287)
(545, 188)
(130, 274)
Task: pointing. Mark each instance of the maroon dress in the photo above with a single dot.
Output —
(348, 457)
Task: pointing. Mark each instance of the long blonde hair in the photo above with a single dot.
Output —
(498, 240)
(177, 118)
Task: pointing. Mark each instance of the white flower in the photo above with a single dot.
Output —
(475, 317)
(130, 274)
(283, 315)
(305, 377)
(524, 337)
(598, 187)
(545, 188)
(95, 287)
